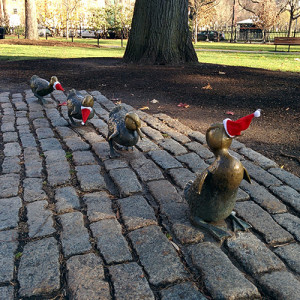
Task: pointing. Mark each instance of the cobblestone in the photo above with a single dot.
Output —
(77, 224)
(130, 282)
(157, 255)
(39, 271)
(110, 241)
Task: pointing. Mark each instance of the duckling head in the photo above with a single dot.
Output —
(217, 138)
(55, 83)
(88, 101)
(133, 122)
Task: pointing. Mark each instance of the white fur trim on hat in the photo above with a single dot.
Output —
(225, 127)
(257, 113)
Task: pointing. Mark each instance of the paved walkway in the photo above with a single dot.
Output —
(75, 224)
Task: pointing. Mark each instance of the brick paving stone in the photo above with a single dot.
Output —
(50, 144)
(157, 255)
(186, 291)
(174, 123)
(290, 222)
(126, 181)
(129, 282)
(101, 150)
(33, 190)
(66, 199)
(177, 136)
(101, 126)
(39, 270)
(164, 192)
(40, 219)
(288, 178)
(8, 118)
(281, 285)
(58, 173)
(172, 146)
(32, 162)
(81, 158)
(41, 123)
(253, 254)
(202, 151)
(152, 133)
(12, 149)
(263, 197)
(22, 121)
(115, 164)
(185, 232)
(146, 169)
(45, 133)
(21, 114)
(6, 127)
(74, 236)
(198, 136)
(35, 114)
(9, 185)
(10, 137)
(8, 246)
(27, 140)
(11, 165)
(99, 206)
(288, 195)
(221, 278)
(260, 175)
(145, 145)
(90, 178)
(136, 212)
(164, 159)
(290, 254)
(110, 241)
(76, 144)
(258, 158)
(7, 292)
(181, 176)
(54, 156)
(242, 196)
(66, 132)
(193, 161)
(262, 222)
(86, 279)
(92, 137)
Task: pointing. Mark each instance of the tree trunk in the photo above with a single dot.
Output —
(31, 26)
(160, 33)
(4, 15)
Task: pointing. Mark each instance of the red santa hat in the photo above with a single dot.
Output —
(85, 112)
(234, 128)
(57, 86)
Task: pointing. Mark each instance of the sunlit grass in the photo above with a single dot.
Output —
(256, 55)
(25, 52)
(269, 61)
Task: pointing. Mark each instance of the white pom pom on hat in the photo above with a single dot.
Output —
(234, 128)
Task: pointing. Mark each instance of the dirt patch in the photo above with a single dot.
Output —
(209, 90)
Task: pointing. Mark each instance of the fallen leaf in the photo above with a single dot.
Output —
(230, 113)
(222, 73)
(144, 108)
(184, 105)
(207, 87)
(119, 102)
(154, 101)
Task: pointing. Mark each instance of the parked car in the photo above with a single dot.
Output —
(88, 33)
(210, 35)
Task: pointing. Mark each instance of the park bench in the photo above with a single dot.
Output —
(286, 41)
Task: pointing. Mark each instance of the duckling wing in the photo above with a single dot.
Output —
(246, 175)
(40, 84)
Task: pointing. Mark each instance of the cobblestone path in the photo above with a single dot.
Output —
(75, 224)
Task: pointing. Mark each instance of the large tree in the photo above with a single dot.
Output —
(160, 33)
(31, 26)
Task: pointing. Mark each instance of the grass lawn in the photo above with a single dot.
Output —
(256, 55)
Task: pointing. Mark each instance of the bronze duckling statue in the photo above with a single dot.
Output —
(123, 129)
(212, 196)
(79, 107)
(41, 87)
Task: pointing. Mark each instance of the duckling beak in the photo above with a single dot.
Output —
(57, 86)
(140, 133)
